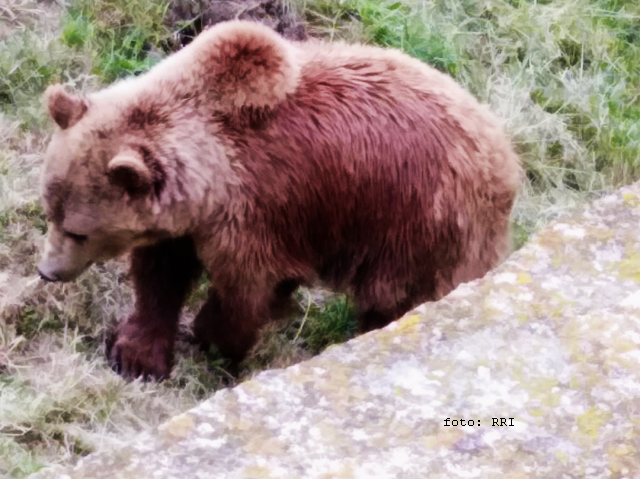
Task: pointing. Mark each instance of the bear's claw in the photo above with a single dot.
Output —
(135, 351)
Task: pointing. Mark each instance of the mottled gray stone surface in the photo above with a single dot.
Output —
(550, 339)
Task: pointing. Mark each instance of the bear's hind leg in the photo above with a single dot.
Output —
(282, 301)
(380, 303)
(377, 318)
(232, 318)
(162, 276)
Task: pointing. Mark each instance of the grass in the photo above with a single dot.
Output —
(563, 74)
(118, 35)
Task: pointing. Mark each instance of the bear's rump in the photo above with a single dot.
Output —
(359, 180)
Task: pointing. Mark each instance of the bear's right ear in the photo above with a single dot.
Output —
(129, 171)
(66, 110)
(247, 63)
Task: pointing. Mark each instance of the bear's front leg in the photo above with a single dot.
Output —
(162, 276)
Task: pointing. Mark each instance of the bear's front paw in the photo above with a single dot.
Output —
(136, 350)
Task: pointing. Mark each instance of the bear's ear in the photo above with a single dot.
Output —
(66, 110)
(129, 171)
(248, 63)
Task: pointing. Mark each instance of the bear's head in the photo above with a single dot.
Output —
(96, 190)
(130, 164)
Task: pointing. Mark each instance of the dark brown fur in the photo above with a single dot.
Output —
(158, 174)
(141, 118)
(56, 196)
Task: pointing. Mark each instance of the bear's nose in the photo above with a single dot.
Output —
(48, 279)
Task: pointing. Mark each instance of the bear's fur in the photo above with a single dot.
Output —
(274, 164)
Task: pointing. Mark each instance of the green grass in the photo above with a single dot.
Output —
(26, 69)
(331, 322)
(563, 74)
(119, 35)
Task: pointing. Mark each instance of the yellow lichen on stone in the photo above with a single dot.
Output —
(590, 422)
(621, 457)
(562, 457)
(489, 311)
(408, 322)
(330, 433)
(254, 387)
(623, 450)
(572, 338)
(243, 425)
(264, 446)
(345, 472)
(524, 278)
(403, 432)
(537, 412)
(630, 266)
(541, 388)
(445, 439)
(515, 475)
(631, 199)
(358, 393)
(257, 472)
(179, 426)
(622, 345)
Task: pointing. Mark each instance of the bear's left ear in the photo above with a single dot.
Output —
(247, 63)
(129, 171)
(65, 109)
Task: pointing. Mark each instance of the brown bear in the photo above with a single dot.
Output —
(274, 164)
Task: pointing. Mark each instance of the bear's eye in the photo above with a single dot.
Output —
(75, 237)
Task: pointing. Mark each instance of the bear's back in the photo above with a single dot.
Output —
(374, 154)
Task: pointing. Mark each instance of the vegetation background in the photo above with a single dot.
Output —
(564, 75)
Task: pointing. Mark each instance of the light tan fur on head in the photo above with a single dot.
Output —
(66, 254)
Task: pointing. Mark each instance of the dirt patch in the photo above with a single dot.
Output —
(189, 17)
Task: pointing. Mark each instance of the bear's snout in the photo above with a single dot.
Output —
(49, 279)
(64, 258)
(54, 275)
